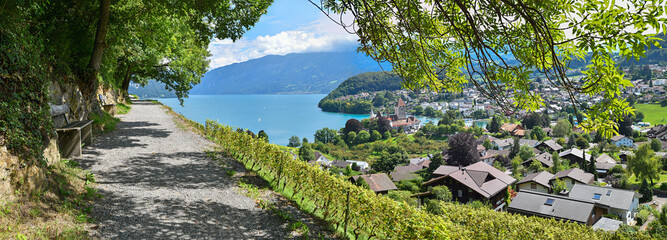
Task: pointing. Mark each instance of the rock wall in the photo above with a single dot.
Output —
(15, 176)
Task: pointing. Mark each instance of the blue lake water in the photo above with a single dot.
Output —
(280, 116)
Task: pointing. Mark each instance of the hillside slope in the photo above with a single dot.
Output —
(292, 73)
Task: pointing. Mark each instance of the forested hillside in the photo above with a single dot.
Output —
(291, 73)
(365, 82)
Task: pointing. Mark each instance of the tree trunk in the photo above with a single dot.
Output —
(126, 80)
(98, 49)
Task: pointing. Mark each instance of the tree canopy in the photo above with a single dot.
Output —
(497, 45)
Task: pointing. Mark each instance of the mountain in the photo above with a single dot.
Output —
(291, 73)
(153, 89)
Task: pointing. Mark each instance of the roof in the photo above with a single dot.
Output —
(541, 178)
(340, 164)
(481, 139)
(410, 168)
(552, 144)
(617, 137)
(494, 153)
(544, 158)
(607, 224)
(617, 198)
(528, 142)
(577, 153)
(400, 176)
(504, 142)
(604, 158)
(400, 103)
(510, 127)
(604, 165)
(576, 174)
(378, 182)
(560, 207)
(479, 177)
(445, 170)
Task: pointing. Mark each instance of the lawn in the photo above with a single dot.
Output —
(653, 113)
(663, 178)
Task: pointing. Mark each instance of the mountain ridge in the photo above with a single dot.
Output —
(281, 74)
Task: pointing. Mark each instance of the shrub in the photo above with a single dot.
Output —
(642, 216)
(104, 122)
(663, 186)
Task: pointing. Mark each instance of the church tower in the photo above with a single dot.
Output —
(400, 110)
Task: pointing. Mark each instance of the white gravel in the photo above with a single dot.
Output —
(158, 183)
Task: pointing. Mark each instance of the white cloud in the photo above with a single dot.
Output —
(320, 36)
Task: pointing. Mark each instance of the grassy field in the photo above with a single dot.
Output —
(653, 113)
(656, 184)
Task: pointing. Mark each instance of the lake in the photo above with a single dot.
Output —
(280, 116)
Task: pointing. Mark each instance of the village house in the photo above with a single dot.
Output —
(576, 156)
(544, 158)
(514, 129)
(622, 141)
(608, 200)
(538, 182)
(549, 146)
(478, 181)
(545, 205)
(573, 176)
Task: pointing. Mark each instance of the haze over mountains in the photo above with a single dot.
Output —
(292, 73)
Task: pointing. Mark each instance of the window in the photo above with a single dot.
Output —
(596, 196)
(608, 192)
(460, 193)
(572, 180)
(533, 186)
(549, 202)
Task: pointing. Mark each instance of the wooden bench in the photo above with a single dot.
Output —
(110, 108)
(70, 134)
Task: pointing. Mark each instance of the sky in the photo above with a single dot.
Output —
(289, 26)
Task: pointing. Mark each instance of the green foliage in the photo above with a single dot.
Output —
(646, 191)
(382, 217)
(612, 216)
(644, 164)
(526, 152)
(390, 158)
(495, 124)
(642, 216)
(25, 120)
(261, 134)
(104, 122)
(656, 145)
(294, 141)
(536, 166)
(403, 196)
(365, 82)
(441, 193)
(537, 133)
(122, 108)
(306, 153)
(558, 186)
(562, 128)
(325, 135)
(427, 41)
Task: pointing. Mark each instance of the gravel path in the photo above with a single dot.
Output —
(158, 183)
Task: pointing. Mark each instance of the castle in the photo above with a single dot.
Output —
(400, 118)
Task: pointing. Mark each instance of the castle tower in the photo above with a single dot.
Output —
(401, 109)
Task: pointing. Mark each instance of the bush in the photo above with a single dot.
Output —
(612, 216)
(104, 122)
(642, 216)
(663, 186)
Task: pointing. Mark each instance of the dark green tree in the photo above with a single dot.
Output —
(494, 126)
(294, 141)
(306, 153)
(261, 134)
(646, 192)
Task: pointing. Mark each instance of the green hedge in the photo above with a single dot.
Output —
(373, 216)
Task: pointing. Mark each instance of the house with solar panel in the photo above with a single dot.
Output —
(584, 204)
